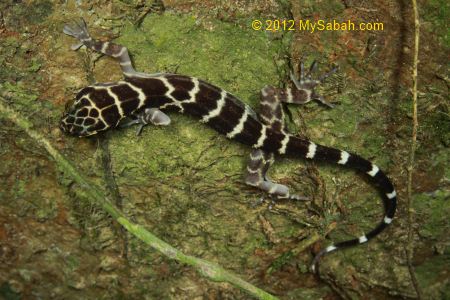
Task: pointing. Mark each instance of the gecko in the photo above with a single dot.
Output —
(141, 99)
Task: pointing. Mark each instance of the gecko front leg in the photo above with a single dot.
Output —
(147, 116)
(304, 90)
(79, 31)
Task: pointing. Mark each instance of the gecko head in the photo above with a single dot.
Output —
(82, 118)
(73, 125)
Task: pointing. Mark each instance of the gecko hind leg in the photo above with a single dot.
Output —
(271, 114)
(256, 176)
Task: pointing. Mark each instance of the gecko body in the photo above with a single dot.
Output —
(143, 99)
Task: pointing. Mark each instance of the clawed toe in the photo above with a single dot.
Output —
(294, 197)
(299, 198)
(312, 69)
(322, 100)
(328, 74)
(298, 84)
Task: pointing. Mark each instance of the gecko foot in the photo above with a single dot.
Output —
(148, 116)
(308, 83)
(79, 31)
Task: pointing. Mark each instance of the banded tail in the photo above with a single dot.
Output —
(294, 146)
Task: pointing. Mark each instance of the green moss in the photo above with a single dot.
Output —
(280, 261)
(20, 188)
(47, 209)
(436, 208)
(434, 272)
(33, 13)
(436, 12)
(7, 293)
(72, 262)
(23, 97)
(437, 126)
(310, 293)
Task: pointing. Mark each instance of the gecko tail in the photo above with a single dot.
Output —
(310, 150)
